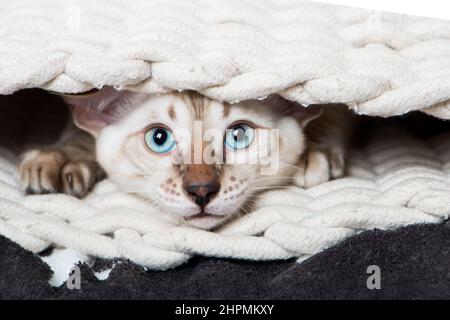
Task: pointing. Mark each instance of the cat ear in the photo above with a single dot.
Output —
(94, 111)
(307, 114)
(304, 115)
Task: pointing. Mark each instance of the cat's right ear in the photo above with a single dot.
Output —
(94, 111)
(303, 114)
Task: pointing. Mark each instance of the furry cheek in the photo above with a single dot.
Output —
(289, 127)
(290, 149)
(170, 192)
(173, 200)
(109, 148)
(233, 193)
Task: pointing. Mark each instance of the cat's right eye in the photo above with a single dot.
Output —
(159, 139)
(239, 136)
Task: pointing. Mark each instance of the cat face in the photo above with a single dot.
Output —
(199, 160)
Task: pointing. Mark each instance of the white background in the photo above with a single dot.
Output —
(427, 8)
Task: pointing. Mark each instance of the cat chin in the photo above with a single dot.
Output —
(204, 221)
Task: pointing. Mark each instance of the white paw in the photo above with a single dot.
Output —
(319, 166)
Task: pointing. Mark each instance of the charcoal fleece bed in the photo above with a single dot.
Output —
(414, 263)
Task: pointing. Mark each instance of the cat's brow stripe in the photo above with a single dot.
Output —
(197, 102)
(226, 110)
(172, 113)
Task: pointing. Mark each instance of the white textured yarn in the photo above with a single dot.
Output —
(378, 63)
(390, 184)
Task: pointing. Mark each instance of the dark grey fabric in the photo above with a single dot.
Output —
(414, 263)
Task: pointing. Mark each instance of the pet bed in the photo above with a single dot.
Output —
(379, 64)
(414, 263)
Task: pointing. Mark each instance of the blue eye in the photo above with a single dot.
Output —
(159, 139)
(239, 136)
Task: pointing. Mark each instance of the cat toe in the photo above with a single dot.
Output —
(337, 162)
(314, 169)
(39, 171)
(78, 178)
(299, 176)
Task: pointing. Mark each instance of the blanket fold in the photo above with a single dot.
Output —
(378, 63)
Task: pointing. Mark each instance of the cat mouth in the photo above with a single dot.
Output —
(202, 215)
(204, 220)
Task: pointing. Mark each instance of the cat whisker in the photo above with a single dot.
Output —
(292, 165)
(271, 178)
(272, 188)
(244, 209)
(249, 204)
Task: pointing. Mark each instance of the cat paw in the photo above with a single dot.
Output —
(49, 171)
(319, 166)
(78, 178)
(39, 171)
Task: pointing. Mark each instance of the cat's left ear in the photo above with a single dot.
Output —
(303, 114)
(94, 111)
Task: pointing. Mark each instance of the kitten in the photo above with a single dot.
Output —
(196, 158)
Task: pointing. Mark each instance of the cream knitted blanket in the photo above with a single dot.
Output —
(379, 64)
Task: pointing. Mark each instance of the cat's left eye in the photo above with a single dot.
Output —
(159, 139)
(239, 136)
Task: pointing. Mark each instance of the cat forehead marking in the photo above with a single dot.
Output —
(226, 110)
(172, 113)
(197, 102)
